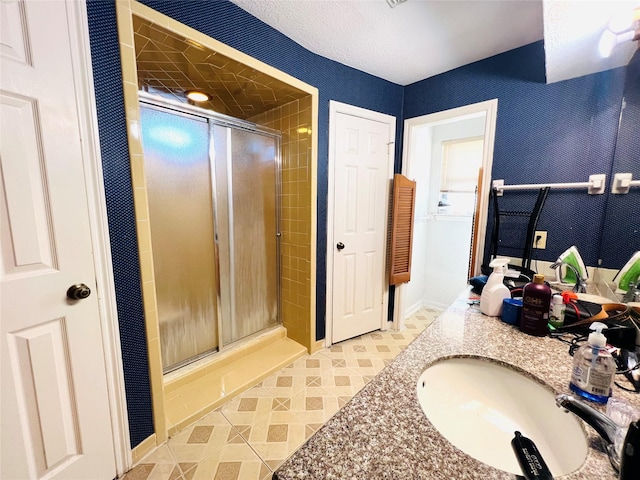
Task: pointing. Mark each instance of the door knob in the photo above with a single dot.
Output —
(340, 246)
(78, 291)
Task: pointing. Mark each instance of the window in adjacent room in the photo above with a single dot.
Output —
(461, 160)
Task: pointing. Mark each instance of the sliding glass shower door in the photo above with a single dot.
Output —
(245, 180)
(212, 186)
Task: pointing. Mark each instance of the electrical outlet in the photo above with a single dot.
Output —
(540, 240)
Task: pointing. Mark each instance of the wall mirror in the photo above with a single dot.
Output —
(620, 237)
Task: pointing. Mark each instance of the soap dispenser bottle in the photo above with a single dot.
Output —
(495, 291)
(593, 367)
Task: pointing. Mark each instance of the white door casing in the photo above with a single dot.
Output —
(58, 394)
(361, 170)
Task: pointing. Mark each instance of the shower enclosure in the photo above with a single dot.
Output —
(213, 187)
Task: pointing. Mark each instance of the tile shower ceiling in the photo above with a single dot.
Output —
(170, 64)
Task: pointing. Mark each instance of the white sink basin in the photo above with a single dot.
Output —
(478, 404)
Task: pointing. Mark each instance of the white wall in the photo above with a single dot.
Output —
(420, 160)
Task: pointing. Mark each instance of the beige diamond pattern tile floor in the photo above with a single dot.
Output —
(248, 437)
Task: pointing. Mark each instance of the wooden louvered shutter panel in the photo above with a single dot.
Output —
(404, 200)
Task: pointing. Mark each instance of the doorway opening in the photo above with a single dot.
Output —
(450, 155)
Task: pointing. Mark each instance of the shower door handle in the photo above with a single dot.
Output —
(340, 246)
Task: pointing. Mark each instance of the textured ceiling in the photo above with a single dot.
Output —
(415, 40)
(422, 38)
(169, 65)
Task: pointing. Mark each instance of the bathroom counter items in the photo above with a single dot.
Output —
(383, 433)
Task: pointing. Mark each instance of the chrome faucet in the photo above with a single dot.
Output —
(602, 424)
(581, 283)
(625, 457)
(633, 293)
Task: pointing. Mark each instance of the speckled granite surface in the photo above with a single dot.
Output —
(383, 433)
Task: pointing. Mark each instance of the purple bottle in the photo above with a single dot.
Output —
(536, 298)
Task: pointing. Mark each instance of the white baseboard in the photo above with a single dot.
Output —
(435, 305)
(413, 309)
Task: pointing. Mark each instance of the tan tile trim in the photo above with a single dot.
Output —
(314, 216)
(143, 448)
(316, 346)
(124, 11)
(181, 29)
(141, 207)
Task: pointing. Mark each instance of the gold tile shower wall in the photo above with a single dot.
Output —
(294, 121)
(298, 314)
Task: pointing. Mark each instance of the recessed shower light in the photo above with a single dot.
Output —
(197, 96)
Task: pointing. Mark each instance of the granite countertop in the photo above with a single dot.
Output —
(383, 433)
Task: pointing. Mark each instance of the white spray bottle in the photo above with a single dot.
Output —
(495, 291)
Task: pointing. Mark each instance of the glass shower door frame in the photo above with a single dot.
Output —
(216, 119)
(225, 121)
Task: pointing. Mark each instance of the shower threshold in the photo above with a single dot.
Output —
(202, 386)
(217, 357)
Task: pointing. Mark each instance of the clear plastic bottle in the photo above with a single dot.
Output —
(556, 314)
(593, 367)
(536, 298)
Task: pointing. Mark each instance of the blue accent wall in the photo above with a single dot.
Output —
(233, 26)
(545, 133)
(107, 78)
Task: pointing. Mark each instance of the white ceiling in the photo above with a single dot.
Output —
(422, 38)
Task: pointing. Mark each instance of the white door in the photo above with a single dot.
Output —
(360, 216)
(54, 402)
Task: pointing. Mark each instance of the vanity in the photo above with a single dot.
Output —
(383, 432)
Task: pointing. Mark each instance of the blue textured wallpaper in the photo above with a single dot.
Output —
(227, 23)
(107, 78)
(231, 25)
(559, 132)
(545, 133)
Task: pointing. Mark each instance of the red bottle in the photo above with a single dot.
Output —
(536, 297)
